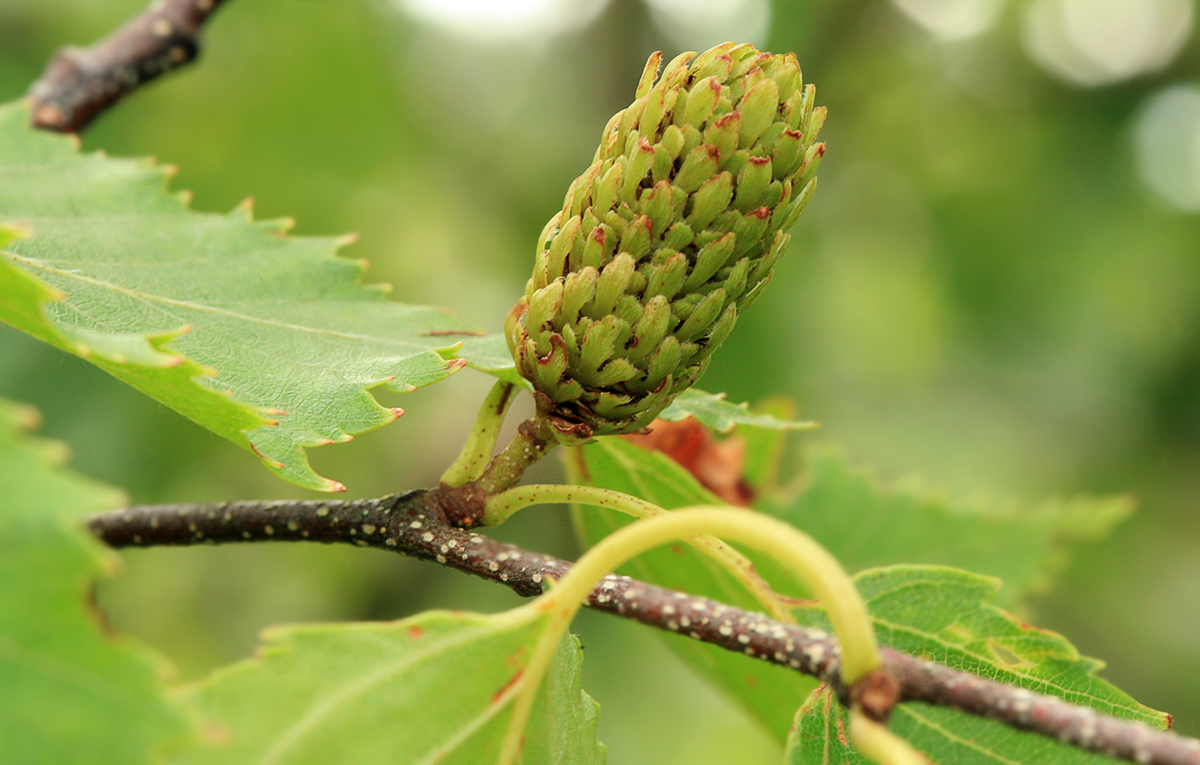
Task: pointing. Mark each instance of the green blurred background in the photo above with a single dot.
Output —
(997, 285)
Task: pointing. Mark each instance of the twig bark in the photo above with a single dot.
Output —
(415, 524)
(80, 83)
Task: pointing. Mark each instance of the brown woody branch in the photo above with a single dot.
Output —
(415, 524)
(80, 83)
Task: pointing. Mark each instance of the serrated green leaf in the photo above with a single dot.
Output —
(68, 692)
(859, 523)
(866, 525)
(768, 692)
(944, 614)
(714, 412)
(267, 340)
(436, 687)
(490, 354)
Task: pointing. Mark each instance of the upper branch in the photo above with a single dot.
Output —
(415, 524)
(79, 83)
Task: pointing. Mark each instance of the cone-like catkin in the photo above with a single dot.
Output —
(673, 230)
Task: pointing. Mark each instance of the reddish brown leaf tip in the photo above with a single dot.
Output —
(716, 464)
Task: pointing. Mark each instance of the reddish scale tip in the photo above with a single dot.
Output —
(724, 120)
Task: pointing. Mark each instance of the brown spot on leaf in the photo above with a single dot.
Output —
(453, 333)
(216, 735)
(581, 465)
(415, 633)
(505, 688)
(716, 464)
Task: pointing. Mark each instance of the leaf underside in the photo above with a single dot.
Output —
(866, 525)
(944, 614)
(267, 340)
(434, 688)
(68, 692)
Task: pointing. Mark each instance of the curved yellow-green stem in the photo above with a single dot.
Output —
(481, 442)
(880, 744)
(501, 506)
(791, 547)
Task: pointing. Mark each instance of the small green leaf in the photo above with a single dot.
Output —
(68, 692)
(437, 687)
(267, 340)
(489, 353)
(867, 525)
(944, 615)
(713, 411)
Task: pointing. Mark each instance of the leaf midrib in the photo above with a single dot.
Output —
(925, 721)
(318, 712)
(188, 305)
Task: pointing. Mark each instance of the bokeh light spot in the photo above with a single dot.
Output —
(1166, 138)
(508, 21)
(952, 19)
(701, 24)
(1097, 42)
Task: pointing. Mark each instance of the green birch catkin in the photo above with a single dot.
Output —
(672, 231)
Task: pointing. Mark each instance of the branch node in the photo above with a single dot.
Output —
(463, 506)
(876, 694)
(80, 83)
